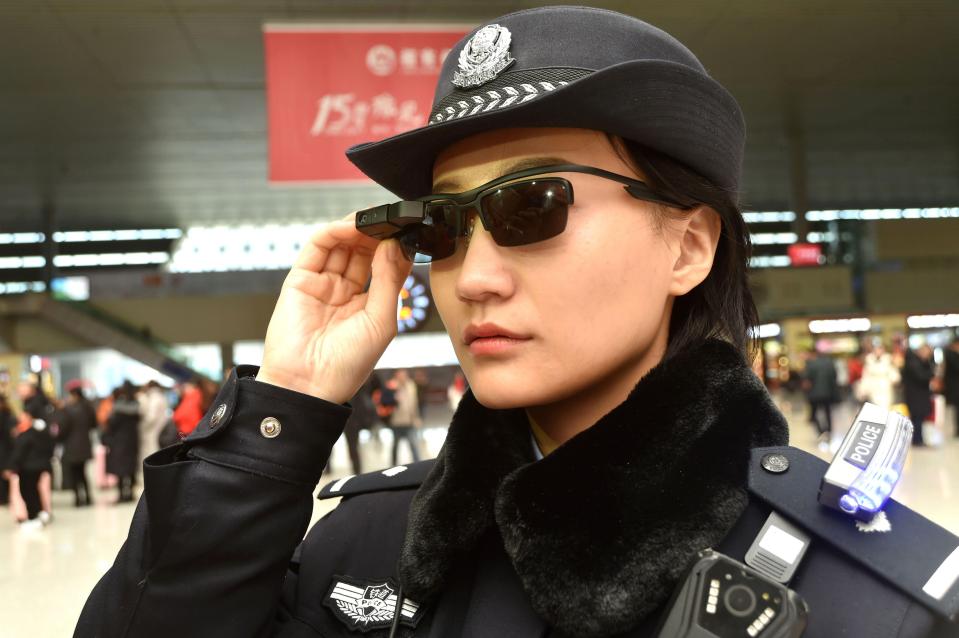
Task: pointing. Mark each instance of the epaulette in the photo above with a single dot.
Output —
(401, 477)
(905, 549)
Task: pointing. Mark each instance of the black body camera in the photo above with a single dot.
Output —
(721, 597)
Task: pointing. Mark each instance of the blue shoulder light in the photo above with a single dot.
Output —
(868, 464)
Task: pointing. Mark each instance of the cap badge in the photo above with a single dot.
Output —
(484, 57)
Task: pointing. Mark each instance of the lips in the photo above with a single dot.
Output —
(476, 332)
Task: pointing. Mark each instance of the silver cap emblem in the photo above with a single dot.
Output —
(484, 57)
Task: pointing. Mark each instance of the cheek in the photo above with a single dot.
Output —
(443, 291)
(617, 273)
(606, 304)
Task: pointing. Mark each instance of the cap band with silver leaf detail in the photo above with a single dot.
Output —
(515, 87)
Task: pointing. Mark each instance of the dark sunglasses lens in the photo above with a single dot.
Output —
(528, 212)
(436, 237)
(409, 244)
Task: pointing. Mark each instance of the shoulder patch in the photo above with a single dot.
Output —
(912, 553)
(401, 477)
(364, 605)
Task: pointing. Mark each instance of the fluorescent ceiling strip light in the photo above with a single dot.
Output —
(28, 261)
(21, 238)
(110, 259)
(773, 238)
(882, 213)
(918, 322)
(767, 217)
(765, 331)
(855, 324)
(19, 287)
(71, 236)
(770, 261)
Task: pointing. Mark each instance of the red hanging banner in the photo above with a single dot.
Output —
(805, 254)
(330, 87)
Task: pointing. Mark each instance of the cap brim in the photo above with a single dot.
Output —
(666, 106)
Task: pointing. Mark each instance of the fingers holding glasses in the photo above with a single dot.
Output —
(329, 247)
(390, 270)
(326, 333)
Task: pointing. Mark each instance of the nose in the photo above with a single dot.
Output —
(484, 273)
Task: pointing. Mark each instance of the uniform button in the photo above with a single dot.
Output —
(270, 427)
(218, 415)
(775, 463)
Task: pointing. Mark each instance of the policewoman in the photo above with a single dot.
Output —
(589, 263)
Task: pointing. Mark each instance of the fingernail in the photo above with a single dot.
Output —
(392, 248)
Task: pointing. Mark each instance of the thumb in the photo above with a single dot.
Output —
(390, 270)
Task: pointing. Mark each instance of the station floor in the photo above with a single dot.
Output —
(46, 574)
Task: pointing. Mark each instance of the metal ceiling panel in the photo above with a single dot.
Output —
(139, 50)
(151, 112)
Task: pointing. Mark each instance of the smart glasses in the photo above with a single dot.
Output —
(515, 209)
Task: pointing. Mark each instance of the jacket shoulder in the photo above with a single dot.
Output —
(401, 477)
(901, 547)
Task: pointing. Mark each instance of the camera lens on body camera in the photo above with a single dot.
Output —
(740, 600)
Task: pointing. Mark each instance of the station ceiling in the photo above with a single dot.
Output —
(150, 113)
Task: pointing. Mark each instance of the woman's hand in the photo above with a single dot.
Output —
(326, 333)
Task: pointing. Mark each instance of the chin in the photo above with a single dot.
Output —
(496, 399)
(501, 389)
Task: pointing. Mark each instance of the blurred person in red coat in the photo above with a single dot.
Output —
(190, 409)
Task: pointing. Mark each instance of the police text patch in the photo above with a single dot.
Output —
(364, 605)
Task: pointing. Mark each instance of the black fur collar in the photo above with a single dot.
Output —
(599, 530)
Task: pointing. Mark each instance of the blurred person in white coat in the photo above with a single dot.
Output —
(879, 378)
(155, 412)
(406, 417)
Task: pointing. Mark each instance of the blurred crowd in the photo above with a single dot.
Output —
(907, 380)
(397, 402)
(48, 442)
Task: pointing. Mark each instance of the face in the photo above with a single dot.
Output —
(568, 314)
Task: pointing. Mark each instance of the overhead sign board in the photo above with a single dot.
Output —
(329, 87)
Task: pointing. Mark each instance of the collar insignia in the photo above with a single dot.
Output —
(484, 56)
(364, 605)
(879, 523)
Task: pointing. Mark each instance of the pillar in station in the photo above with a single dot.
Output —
(226, 357)
(7, 327)
(49, 217)
(798, 175)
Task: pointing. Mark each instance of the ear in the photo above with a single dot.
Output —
(700, 231)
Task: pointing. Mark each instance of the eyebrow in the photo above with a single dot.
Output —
(455, 186)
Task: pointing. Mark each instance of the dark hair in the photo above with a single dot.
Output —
(722, 305)
(126, 391)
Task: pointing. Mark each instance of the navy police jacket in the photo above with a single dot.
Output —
(486, 540)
